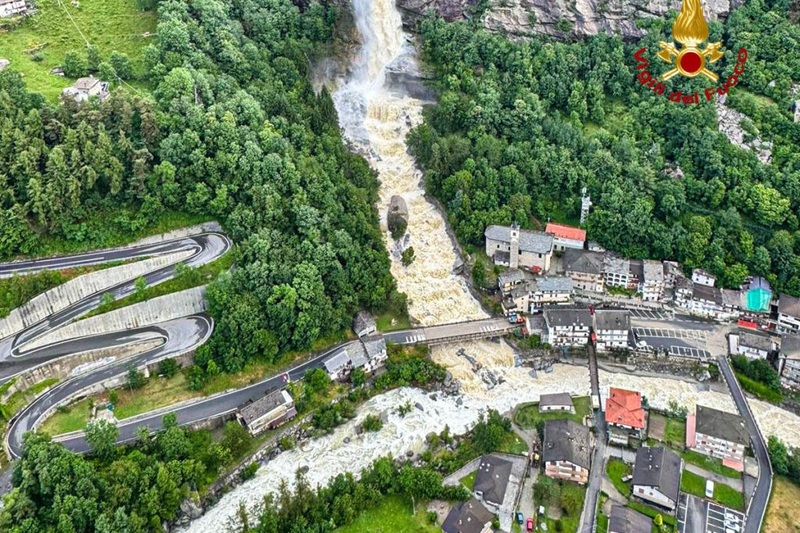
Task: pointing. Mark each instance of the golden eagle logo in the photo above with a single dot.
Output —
(691, 30)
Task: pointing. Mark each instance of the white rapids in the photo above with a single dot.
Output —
(376, 120)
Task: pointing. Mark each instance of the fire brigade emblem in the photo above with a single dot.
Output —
(691, 30)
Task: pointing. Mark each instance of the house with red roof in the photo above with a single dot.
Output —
(565, 236)
(625, 415)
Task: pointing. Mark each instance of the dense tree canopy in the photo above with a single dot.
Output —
(520, 129)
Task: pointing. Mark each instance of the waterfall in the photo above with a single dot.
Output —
(376, 116)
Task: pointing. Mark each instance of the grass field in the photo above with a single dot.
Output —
(391, 516)
(527, 415)
(782, 515)
(107, 24)
(20, 399)
(513, 444)
(669, 520)
(616, 469)
(158, 392)
(569, 522)
(709, 463)
(723, 494)
(675, 432)
(469, 480)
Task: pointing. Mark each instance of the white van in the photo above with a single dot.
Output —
(709, 488)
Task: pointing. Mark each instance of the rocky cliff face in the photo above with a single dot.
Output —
(563, 19)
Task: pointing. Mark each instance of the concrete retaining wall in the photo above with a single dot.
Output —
(63, 367)
(163, 308)
(206, 227)
(63, 296)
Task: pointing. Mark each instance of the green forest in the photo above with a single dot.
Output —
(519, 129)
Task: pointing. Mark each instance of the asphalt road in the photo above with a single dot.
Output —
(757, 506)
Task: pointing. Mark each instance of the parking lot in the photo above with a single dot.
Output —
(696, 515)
(650, 315)
(666, 333)
(686, 351)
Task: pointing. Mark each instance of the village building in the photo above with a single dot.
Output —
(585, 269)
(567, 327)
(657, 476)
(267, 412)
(491, 479)
(559, 401)
(468, 517)
(566, 452)
(757, 295)
(622, 273)
(718, 434)
(707, 302)
(623, 519)
(338, 365)
(653, 284)
(613, 328)
(702, 277)
(368, 355)
(511, 278)
(625, 416)
(731, 301)
(789, 360)
(788, 314)
(672, 271)
(532, 295)
(751, 344)
(565, 237)
(516, 248)
(85, 88)
(364, 324)
(10, 8)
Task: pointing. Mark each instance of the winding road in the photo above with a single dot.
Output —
(171, 337)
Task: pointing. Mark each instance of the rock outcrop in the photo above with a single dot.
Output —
(563, 19)
(730, 122)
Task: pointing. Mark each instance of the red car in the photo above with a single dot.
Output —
(529, 526)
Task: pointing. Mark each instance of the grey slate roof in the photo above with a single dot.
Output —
(616, 265)
(789, 305)
(703, 292)
(758, 283)
(492, 478)
(659, 468)
(337, 361)
(722, 425)
(84, 84)
(264, 405)
(501, 257)
(583, 261)
(790, 346)
(529, 241)
(625, 520)
(564, 440)
(356, 354)
(568, 317)
(467, 517)
(612, 319)
(731, 298)
(375, 347)
(364, 323)
(754, 340)
(653, 271)
(553, 284)
(558, 399)
(512, 275)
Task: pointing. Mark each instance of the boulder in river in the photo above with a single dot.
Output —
(397, 217)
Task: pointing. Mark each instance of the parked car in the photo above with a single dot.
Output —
(520, 518)
(709, 488)
(529, 527)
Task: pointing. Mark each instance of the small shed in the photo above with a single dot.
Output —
(364, 324)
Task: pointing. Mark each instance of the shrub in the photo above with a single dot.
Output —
(168, 368)
(249, 472)
(372, 423)
(408, 256)
(75, 64)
